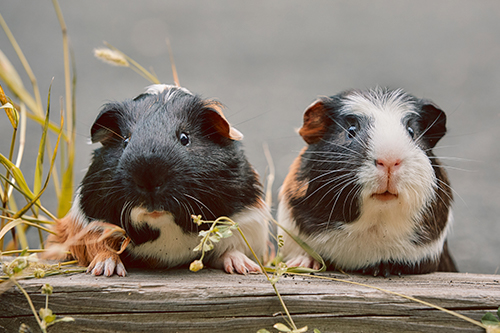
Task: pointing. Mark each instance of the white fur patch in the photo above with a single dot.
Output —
(157, 89)
(174, 247)
(354, 247)
(76, 212)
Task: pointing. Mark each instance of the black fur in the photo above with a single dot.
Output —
(142, 162)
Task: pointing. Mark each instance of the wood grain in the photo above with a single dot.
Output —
(211, 300)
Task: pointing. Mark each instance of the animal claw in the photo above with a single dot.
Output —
(107, 264)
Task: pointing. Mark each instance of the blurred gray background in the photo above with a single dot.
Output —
(268, 60)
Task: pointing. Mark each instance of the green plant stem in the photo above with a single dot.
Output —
(66, 170)
(30, 303)
(453, 313)
(8, 253)
(292, 323)
(28, 198)
(136, 66)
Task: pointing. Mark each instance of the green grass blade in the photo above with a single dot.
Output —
(18, 176)
(35, 199)
(66, 191)
(52, 126)
(309, 251)
(41, 150)
(9, 226)
(10, 110)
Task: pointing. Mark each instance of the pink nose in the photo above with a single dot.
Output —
(388, 164)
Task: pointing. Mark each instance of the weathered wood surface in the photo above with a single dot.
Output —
(213, 301)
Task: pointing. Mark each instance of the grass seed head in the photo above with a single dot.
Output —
(111, 57)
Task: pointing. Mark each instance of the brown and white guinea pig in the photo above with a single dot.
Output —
(166, 155)
(367, 193)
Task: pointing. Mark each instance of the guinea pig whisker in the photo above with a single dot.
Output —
(352, 151)
(356, 194)
(356, 138)
(110, 130)
(346, 182)
(328, 161)
(449, 167)
(427, 129)
(443, 185)
(316, 178)
(201, 203)
(336, 198)
(186, 209)
(125, 214)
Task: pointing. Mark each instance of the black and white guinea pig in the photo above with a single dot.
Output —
(367, 193)
(166, 155)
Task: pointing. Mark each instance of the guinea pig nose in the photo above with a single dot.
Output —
(147, 182)
(388, 164)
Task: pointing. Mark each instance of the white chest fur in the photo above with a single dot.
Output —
(172, 248)
(369, 240)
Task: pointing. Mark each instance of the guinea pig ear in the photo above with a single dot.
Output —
(105, 126)
(315, 122)
(219, 122)
(433, 122)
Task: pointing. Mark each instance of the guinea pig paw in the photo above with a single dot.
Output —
(234, 260)
(304, 260)
(107, 265)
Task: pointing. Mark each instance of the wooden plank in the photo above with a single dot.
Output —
(211, 300)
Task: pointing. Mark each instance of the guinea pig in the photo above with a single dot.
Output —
(367, 193)
(166, 155)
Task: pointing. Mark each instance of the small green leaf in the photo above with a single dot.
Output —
(207, 247)
(263, 330)
(490, 319)
(45, 313)
(12, 114)
(316, 330)
(49, 319)
(281, 327)
(203, 233)
(215, 238)
(225, 232)
(301, 330)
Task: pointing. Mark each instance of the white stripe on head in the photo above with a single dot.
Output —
(157, 89)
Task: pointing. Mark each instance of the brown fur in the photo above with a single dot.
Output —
(85, 244)
(293, 189)
(315, 123)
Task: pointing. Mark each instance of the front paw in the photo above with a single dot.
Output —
(303, 260)
(235, 261)
(107, 264)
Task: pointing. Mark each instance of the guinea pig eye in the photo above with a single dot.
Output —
(184, 139)
(351, 131)
(125, 142)
(411, 132)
